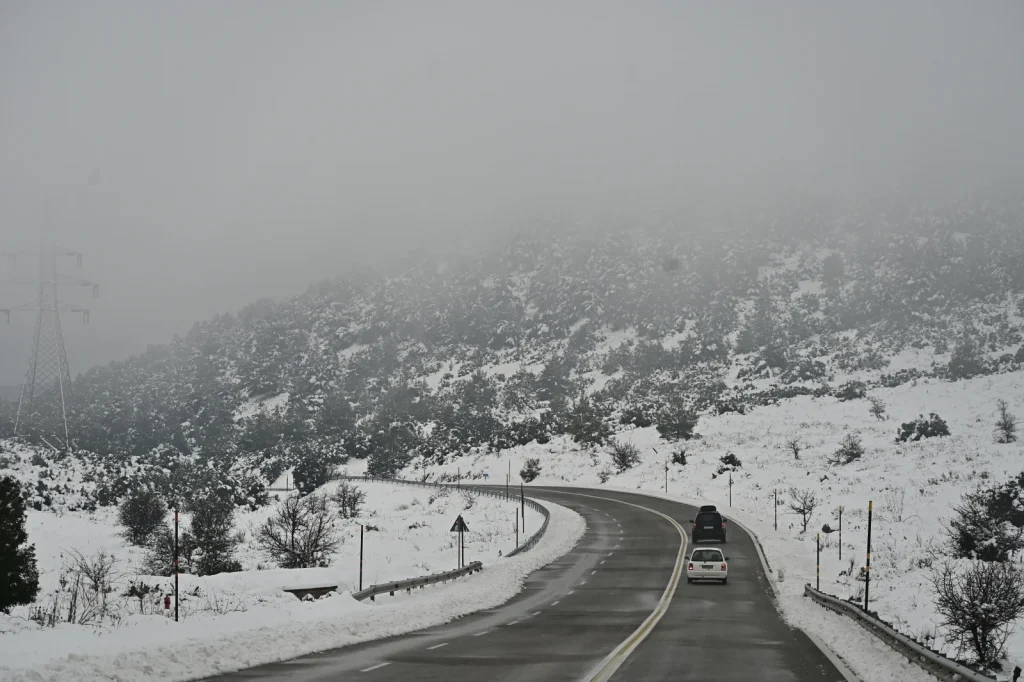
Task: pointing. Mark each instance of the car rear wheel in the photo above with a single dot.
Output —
(725, 581)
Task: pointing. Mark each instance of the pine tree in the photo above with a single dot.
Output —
(19, 577)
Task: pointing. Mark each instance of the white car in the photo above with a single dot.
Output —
(707, 563)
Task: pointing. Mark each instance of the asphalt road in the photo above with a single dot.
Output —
(575, 612)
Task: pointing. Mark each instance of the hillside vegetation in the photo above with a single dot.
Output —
(555, 331)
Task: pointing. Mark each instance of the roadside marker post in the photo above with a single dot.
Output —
(361, 531)
(867, 568)
(460, 527)
(776, 509)
(175, 564)
(817, 562)
(840, 532)
(730, 488)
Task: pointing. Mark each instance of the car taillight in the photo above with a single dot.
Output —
(723, 525)
(691, 567)
(723, 567)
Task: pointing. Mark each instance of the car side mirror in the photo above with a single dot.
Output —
(691, 521)
(725, 520)
(726, 558)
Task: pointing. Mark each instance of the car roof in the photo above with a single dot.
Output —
(706, 549)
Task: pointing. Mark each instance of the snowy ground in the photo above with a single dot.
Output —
(229, 619)
(913, 487)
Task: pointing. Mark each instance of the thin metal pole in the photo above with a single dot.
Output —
(522, 501)
(175, 564)
(867, 568)
(361, 531)
(776, 509)
(840, 532)
(666, 477)
(517, 531)
(817, 560)
(730, 488)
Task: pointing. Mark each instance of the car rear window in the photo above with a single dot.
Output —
(706, 555)
(711, 519)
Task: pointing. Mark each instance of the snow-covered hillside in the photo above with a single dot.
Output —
(913, 485)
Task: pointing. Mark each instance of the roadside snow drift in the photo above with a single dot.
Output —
(275, 627)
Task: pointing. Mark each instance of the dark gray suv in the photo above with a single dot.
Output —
(709, 525)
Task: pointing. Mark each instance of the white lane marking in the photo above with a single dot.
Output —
(613, 661)
(595, 570)
(481, 634)
(375, 667)
(583, 582)
(570, 592)
(536, 613)
(610, 553)
(437, 646)
(513, 622)
(555, 603)
(602, 561)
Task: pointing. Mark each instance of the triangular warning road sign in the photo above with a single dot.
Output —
(459, 525)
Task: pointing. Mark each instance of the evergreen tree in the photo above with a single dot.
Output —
(19, 577)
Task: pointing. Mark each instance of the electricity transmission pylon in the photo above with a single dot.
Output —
(46, 393)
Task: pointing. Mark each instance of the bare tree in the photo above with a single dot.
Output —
(349, 499)
(803, 503)
(795, 446)
(978, 603)
(877, 408)
(301, 534)
(1006, 423)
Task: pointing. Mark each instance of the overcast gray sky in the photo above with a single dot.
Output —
(205, 154)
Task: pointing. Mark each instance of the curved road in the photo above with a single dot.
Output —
(574, 614)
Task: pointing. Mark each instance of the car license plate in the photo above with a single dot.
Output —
(707, 567)
(709, 527)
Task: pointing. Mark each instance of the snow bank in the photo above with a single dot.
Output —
(159, 649)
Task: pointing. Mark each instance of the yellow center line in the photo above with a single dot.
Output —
(613, 661)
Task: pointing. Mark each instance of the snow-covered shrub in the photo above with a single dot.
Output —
(979, 602)
(625, 455)
(141, 514)
(923, 427)
(1006, 423)
(851, 390)
(19, 577)
(676, 422)
(988, 524)
(679, 457)
(850, 450)
(728, 462)
(531, 470)
(877, 408)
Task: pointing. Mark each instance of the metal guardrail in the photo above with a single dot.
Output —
(931, 661)
(410, 583)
